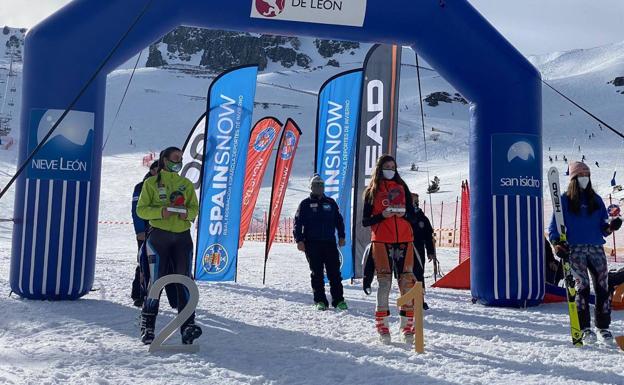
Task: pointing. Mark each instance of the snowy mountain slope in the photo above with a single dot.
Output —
(577, 62)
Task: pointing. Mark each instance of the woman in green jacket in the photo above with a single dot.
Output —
(169, 203)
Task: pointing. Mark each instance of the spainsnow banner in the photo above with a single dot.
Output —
(378, 128)
(263, 138)
(337, 125)
(193, 154)
(228, 128)
(283, 167)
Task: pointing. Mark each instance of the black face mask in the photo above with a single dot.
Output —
(317, 189)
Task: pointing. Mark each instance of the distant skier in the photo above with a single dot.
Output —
(316, 223)
(434, 187)
(583, 158)
(169, 241)
(556, 158)
(550, 158)
(587, 224)
(565, 159)
(388, 210)
(597, 165)
(423, 240)
(141, 227)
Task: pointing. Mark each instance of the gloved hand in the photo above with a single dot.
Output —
(140, 236)
(615, 224)
(562, 250)
(366, 285)
(431, 256)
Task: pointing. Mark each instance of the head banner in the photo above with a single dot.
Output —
(378, 129)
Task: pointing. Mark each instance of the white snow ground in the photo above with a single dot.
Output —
(256, 334)
(272, 334)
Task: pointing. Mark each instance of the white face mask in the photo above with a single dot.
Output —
(583, 181)
(388, 174)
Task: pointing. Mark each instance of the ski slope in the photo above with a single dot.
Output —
(256, 334)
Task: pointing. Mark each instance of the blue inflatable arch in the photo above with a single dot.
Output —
(57, 198)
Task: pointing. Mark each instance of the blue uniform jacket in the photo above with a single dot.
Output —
(318, 220)
(140, 225)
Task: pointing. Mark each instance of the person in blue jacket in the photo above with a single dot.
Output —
(587, 224)
(141, 228)
(316, 223)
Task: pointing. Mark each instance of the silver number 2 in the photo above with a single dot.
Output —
(154, 293)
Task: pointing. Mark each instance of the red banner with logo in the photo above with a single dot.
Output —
(263, 137)
(283, 166)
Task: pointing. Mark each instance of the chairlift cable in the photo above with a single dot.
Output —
(422, 117)
(123, 98)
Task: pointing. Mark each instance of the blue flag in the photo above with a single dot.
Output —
(228, 127)
(337, 125)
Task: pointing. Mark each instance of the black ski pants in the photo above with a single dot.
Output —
(169, 253)
(323, 255)
(137, 293)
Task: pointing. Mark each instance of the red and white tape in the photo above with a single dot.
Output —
(114, 223)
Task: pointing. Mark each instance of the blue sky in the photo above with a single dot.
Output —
(533, 26)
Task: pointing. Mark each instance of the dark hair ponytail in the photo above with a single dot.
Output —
(164, 154)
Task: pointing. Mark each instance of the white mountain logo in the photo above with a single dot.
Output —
(522, 150)
(75, 127)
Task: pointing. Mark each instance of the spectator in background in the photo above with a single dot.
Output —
(141, 228)
(554, 268)
(423, 240)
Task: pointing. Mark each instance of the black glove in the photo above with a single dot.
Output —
(615, 224)
(366, 284)
(562, 250)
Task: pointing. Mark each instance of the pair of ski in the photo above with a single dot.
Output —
(555, 195)
(570, 284)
